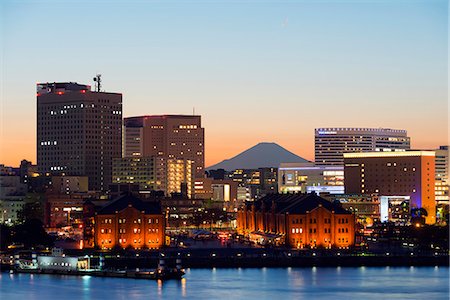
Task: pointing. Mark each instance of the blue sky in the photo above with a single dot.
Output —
(255, 70)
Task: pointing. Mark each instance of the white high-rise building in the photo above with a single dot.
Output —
(331, 143)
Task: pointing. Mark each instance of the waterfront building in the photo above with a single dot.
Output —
(308, 177)
(297, 220)
(79, 131)
(169, 136)
(331, 143)
(395, 174)
(129, 222)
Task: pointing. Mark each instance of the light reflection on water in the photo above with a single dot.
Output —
(266, 283)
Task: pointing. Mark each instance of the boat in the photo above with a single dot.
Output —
(60, 264)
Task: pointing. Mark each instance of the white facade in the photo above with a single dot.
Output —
(307, 177)
(331, 143)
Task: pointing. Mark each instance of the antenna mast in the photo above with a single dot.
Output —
(98, 82)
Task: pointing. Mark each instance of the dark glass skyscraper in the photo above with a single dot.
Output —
(79, 131)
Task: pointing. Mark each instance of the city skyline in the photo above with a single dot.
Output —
(254, 74)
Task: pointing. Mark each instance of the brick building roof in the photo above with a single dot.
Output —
(126, 200)
(296, 203)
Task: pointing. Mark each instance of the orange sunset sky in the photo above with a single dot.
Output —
(270, 72)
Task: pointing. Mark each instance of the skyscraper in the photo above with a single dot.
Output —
(331, 143)
(170, 136)
(79, 131)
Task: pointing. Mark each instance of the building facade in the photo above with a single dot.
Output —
(147, 172)
(79, 131)
(400, 174)
(225, 191)
(169, 136)
(12, 198)
(307, 177)
(69, 184)
(298, 220)
(442, 179)
(331, 143)
(129, 222)
(64, 209)
(365, 207)
(155, 173)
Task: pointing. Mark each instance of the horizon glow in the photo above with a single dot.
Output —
(256, 71)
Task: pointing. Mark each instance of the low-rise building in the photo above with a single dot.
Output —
(129, 222)
(223, 190)
(297, 220)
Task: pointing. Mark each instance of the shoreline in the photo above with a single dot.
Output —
(258, 258)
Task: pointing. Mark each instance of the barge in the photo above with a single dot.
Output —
(60, 264)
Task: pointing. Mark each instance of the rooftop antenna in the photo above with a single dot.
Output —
(193, 111)
(98, 82)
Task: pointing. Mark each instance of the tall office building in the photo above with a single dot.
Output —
(331, 143)
(169, 136)
(405, 176)
(79, 131)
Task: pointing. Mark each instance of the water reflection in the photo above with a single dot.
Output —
(183, 287)
(160, 286)
(287, 283)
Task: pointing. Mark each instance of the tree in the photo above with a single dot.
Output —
(5, 236)
(31, 233)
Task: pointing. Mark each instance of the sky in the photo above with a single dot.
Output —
(256, 71)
